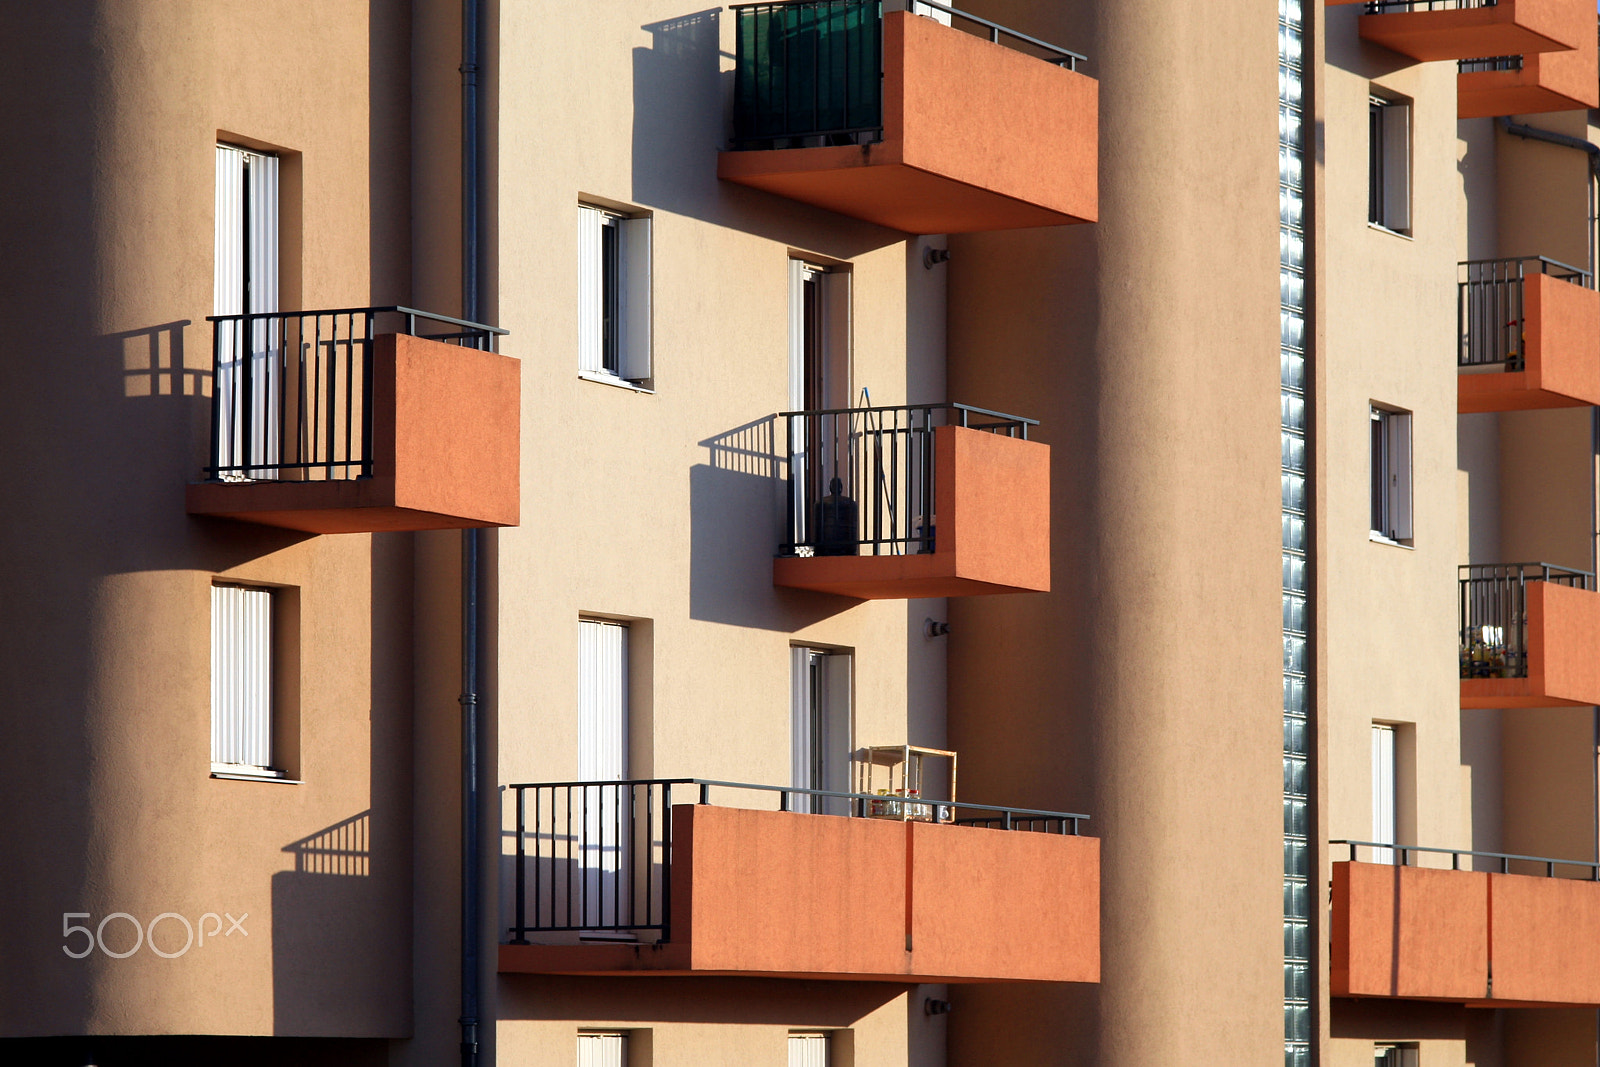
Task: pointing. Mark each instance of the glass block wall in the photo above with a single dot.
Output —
(1297, 895)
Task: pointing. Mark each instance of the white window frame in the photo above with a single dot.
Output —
(1388, 1054)
(603, 728)
(821, 725)
(614, 297)
(1389, 163)
(1391, 504)
(243, 660)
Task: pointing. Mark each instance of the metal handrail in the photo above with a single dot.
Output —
(1455, 854)
(1378, 7)
(1061, 56)
(865, 480)
(608, 864)
(1490, 310)
(1565, 271)
(292, 391)
(1494, 614)
(1488, 63)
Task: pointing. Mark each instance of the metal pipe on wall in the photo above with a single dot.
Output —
(471, 727)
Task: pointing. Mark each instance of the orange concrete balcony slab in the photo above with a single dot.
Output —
(1509, 27)
(445, 451)
(976, 136)
(1560, 333)
(1409, 932)
(1563, 633)
(1547, 81)
(785, 895)
(992, 503)
(1425, 934)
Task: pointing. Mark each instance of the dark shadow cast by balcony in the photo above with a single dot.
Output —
(738, 510)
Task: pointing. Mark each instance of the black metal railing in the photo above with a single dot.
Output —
(291, 391)
(862, 481)
(1402, 855)
(596, 857)
(1494, 614)
(1381, 7)
(1488, 63)
(1490, 307)
(811, 71)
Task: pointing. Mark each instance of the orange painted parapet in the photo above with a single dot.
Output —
(785, 895)
(1509, 28)
(1548, 81)
(976, 136)
(1561, 341)
(1543, 933)
(445, 449)
(992, 506)
(1563, 667)
(1425, 934)
(1409, 932)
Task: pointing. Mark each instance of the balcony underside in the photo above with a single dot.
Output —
(1423, 934)
(1509, 28)
(993, 529)
(1563, 632)
(445, 452)
(976, 136)
(785, 895)
(1548, 81)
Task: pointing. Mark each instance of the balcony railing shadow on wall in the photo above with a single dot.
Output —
(292, 398)
(862, 481)
(595, 858)
(1494, 614)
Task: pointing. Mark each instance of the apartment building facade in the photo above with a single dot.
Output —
(818, 532)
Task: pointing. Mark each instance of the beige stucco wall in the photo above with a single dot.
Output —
(109, 807)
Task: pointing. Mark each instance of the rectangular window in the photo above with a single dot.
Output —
(246, 281)
(808, 1049)
(242, 695)
(1385, 820)
(1391, 474)
(1389, 163)
(614, 318)
(602, 1050)
(820, 726)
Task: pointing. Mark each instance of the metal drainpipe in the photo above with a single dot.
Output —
(1533, 133)
(471, 918)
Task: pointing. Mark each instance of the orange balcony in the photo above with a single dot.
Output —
(1541, 81)
(686, 889)
(960, 133)
(1528, 636)
(323, 425)
(1467, 29)
(886, 505)
(1420, 933)
(1530, 336)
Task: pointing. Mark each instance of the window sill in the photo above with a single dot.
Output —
(1379, 539)
(1392, 233)
(613, 380)
(245, 774)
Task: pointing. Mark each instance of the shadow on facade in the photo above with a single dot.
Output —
(739, 513)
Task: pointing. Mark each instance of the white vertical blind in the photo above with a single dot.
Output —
(591, 295)
(603, 757)
(241, 676)
(228, 298)
(798, 276)
(602, 1050)
(1396, 119)
(246, 279)
(635, 298)
(808, 1050)
(1384, 823)
(932, 12)
(1399, 429)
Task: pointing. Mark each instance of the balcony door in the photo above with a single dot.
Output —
(1385, 821)
(248, 386)
(603, 757)
(820, 727)
(819, 380)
